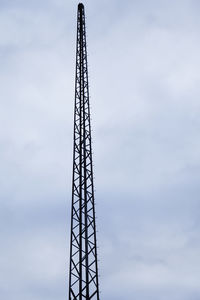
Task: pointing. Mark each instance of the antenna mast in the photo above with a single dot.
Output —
(83, 277)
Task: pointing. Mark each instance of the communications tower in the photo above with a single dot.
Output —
(83, 275)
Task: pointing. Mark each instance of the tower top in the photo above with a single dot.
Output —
(80, 6)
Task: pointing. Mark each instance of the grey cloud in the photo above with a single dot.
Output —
(144, 74)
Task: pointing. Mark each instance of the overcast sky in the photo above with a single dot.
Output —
(144, 66)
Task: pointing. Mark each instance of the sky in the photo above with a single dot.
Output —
(144, 84)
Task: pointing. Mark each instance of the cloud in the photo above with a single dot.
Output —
(144, 74)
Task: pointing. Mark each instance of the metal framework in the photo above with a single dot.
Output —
(83, 277)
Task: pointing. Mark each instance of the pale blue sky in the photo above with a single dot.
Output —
(144, 83)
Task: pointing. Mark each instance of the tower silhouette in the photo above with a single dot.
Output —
(83, 275)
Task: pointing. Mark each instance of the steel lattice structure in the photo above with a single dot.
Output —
(83, 277)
